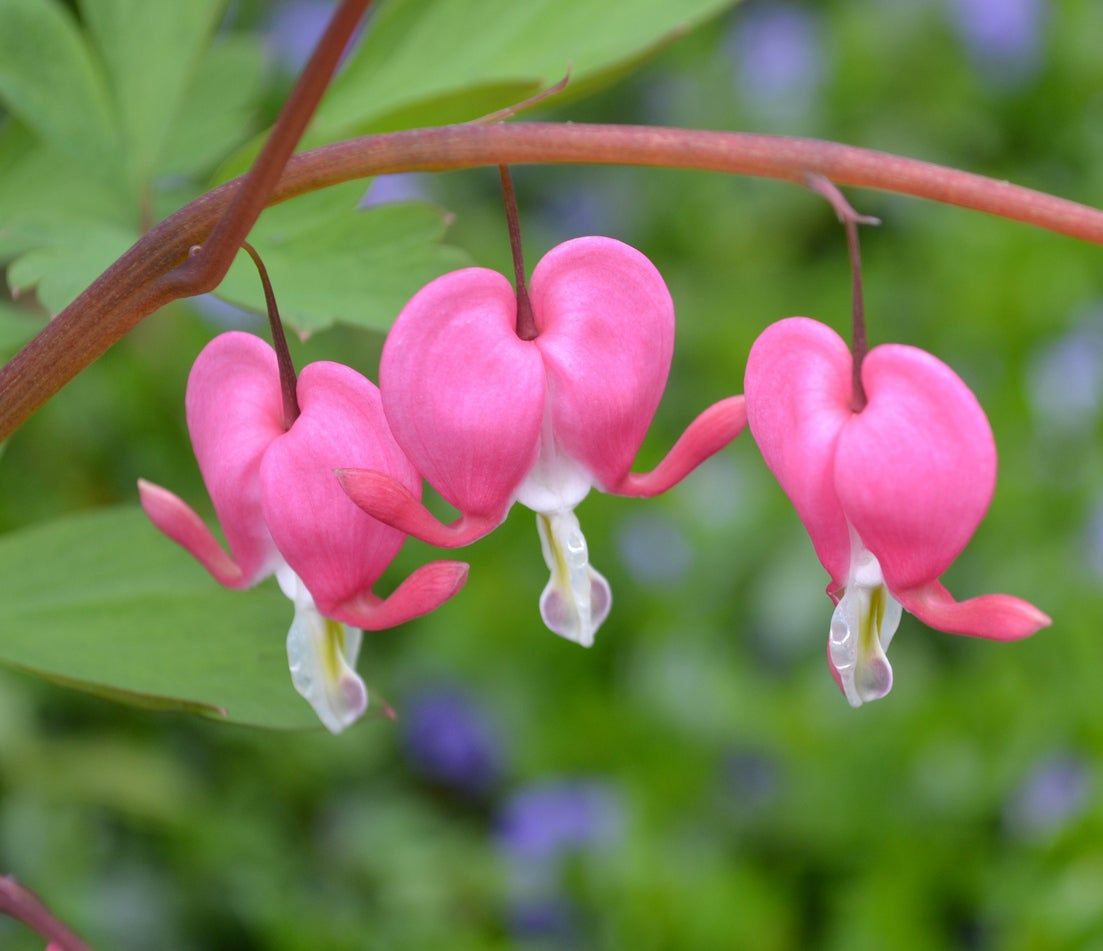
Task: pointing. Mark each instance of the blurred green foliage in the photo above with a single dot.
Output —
(755, 809)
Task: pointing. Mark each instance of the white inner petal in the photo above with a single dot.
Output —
(556, 481)
(862, 627)
(322, 656)
(576, 599)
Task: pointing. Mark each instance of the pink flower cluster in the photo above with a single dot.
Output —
(890, 495)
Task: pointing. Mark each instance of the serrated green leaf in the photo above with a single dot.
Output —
(87, 160)
(536, 41)
(151, 53)
(44, 193)
(49, 80)
(102, 602)
(330, 261)
(428, 62)
(65, 263)
(216, 112)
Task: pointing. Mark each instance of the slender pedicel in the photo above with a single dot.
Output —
(526, 322)
(288, 380)
(859, 342)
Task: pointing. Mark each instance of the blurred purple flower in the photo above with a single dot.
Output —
(1066, 377)
(406, 186)
(295, 29)
(550, 918)
(593, 203)
(752, 780)
(1004, 37)
(544, 823)
(654, 549)
(296, 26)
(778, 53)
(448, 740)
(1093, 540)
(1055, 792)
(222, 314)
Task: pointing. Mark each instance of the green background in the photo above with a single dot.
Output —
(754, 808)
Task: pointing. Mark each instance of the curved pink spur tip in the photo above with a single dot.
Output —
(424, 591)
(173, 516)
(1000, 617)
(393, 504)
(710, 432)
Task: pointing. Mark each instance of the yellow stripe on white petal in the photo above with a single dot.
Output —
(862, 626)
(321, 654)
(576, 599)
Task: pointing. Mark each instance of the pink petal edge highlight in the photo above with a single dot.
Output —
(915, 470)
(797, 387)
(235, 412)
(606, 321)
(423, 591)
(999, 617)
(463, 394)
(710, 432)
(334, 547)
(176, 519)
(387, 500)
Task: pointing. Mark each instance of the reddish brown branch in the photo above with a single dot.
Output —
(204, 269)
(128, 291)
(23, 905)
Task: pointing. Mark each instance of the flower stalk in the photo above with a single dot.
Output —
(859, 340)
(288, 380)
(526, 322)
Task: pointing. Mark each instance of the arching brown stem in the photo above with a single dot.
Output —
(130, 289)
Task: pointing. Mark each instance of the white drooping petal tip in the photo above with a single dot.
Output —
(576, 599)
(321, 654)
(862, 627)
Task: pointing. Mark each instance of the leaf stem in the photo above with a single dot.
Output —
(859, 342)
(23, 905)
(526, 322)
(288, 380)
(132, 287)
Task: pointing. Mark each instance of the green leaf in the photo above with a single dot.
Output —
(102, 602)
(179, 102)
(49, 80)
(429, 62)
(44, 191)
(65, 263)
(152, 53)
(216, 114)
(330, 261)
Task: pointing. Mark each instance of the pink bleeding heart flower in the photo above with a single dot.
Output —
(490, 418)
(283, 511)
(890, 495)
